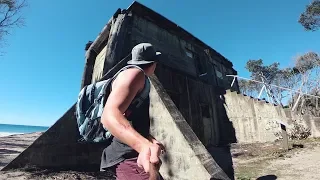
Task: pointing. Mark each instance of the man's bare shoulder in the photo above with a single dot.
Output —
(133, 78)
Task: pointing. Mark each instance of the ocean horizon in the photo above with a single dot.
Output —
(9, 129)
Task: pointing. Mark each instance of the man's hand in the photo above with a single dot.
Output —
(149, 157)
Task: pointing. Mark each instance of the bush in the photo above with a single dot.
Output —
(299, 132)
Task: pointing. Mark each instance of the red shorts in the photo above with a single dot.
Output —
(129, 170)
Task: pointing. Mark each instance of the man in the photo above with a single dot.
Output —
(133, 153)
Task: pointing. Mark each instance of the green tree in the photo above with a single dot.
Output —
(248, 87)
(303, 78)
(308, 71)
(310, 18)
(268, 74)
(259, 71)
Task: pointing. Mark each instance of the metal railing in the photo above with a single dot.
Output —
(264, 87)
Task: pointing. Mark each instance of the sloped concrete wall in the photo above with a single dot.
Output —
(186, 157)
(258, 121)
(58, 148)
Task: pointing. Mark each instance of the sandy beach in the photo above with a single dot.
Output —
(12, 145)
(4, 134)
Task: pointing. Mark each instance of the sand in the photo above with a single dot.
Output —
(12, 145)
(300, 165)
(5, 134)
(268, 161)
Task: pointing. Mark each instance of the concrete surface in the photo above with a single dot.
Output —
(257, 121)
(186, 156)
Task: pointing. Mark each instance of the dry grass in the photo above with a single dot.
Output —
(250, 160)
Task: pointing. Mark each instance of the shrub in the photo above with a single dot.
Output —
(299, 132)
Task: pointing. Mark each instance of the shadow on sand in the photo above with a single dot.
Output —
(267, 177)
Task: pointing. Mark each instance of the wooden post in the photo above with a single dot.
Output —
(284, 136)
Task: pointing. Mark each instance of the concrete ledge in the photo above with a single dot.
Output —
(186, 157)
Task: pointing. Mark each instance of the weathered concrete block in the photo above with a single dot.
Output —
(186, 156)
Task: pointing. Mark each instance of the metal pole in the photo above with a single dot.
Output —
(261, 91)
(296, 104)
(234, 78)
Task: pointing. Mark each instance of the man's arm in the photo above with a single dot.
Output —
(124, 89)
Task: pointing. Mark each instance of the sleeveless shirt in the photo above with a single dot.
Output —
(118, 151)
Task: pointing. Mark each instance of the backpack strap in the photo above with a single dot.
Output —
(81, 99)
(93, 89)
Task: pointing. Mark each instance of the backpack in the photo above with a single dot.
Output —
(90, 104)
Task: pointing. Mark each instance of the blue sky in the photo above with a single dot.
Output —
(41, 71)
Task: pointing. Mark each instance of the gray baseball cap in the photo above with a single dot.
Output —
(144, 53)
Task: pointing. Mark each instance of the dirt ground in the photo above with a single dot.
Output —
(264, 161)
(11, 146)
(269, 161)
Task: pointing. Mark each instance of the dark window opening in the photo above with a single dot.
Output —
(219, 76)
(201, 65)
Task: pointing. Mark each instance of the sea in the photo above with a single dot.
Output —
(9, 129)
